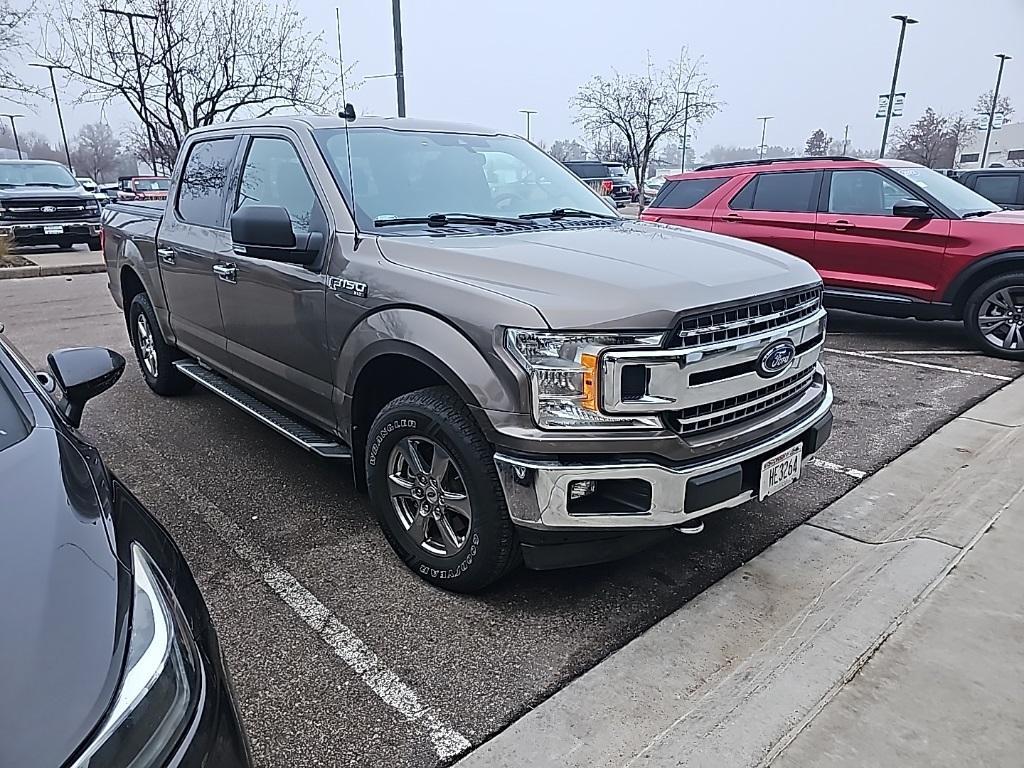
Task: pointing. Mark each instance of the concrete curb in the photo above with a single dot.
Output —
(733, 676)
(14, 273)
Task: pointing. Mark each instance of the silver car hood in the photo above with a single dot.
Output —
(629, 275)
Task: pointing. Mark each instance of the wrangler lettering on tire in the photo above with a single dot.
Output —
(436, 493)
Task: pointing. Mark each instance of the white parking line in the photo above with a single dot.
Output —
(447, 741)
(930, 352)
(822, 464)
(917, 364)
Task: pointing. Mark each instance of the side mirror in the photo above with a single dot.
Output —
(265, 232)
(82, 373)
(912, 209)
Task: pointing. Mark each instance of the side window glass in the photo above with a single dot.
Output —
(687, 193)
(789, 192)
(867, 193)
(744, 199)
(201, 191)
(273, 175)
(999, 188)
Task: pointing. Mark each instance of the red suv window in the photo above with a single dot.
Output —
(686, 193)
(787, 192)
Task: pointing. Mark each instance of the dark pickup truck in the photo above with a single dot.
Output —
(41, 203)
(516, 373)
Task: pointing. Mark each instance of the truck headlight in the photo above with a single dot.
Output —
(161, 683)
(564, 376)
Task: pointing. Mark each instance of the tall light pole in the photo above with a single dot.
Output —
(396, 20)
(14, 130)
(764, 129)
(904, 21)
(132, 16)
(528, 112)
(1003, 58)
(56, 100)
(686, 124)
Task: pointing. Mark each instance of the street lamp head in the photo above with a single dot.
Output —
(905, 19)
(1004, 56)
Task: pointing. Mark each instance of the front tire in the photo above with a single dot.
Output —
(94, 244)
(436, 493)
(994, 316)
(156, 357)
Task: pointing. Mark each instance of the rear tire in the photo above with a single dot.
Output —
(994, 316)
(436, 493)
(65, 244)
(94, 243)
(156, 357)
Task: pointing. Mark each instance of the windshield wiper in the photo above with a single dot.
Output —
(562, 213)
(973, 214)
(50, 184)
(444, 219)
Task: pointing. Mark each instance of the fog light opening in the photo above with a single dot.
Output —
(580, 488)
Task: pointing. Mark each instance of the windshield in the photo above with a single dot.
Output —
(13, 426)
(35, 175)
(152, 185)
(412, 174)
(616, 170)
(949, 192)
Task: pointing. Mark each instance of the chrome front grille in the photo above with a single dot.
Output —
(720, 413)
(747, 319)
(48, 210)
(719, 382)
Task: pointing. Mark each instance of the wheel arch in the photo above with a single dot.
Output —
(978, 272)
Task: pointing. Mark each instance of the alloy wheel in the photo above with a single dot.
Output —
(1001, 318)
(147, 347)
(429, 496)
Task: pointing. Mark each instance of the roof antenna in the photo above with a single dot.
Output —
(348, 114)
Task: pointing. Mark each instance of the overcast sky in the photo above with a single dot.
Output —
(815, 64)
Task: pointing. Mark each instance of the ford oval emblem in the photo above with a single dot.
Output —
(775, 358)
(48, 209)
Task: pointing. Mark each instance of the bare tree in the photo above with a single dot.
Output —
(13, 21)
(984, 105)
(96, 151)
(200, 62)
(567, 149)
(645, 108)
(961, 130)
(927, 141)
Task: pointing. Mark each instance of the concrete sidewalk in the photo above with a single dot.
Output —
(79, 261)
(884, 631)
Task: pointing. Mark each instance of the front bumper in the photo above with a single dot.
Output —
(29, 233)
(648, 495)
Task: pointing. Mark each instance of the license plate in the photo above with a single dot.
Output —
(53, 229)
(780, 471)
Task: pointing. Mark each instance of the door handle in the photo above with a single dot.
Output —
(842, 225)
(166, 255)
(732, 217)
(226, 272)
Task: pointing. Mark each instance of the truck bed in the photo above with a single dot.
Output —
(153, 209)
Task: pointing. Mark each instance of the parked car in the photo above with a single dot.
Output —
(93, 189)
(516, 373)
(142, 187)
(109, 192)
(41, 203)
(608, 179)
(107, 653)
(888, 237)
(1003, 186)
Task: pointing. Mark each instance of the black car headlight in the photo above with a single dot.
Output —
(162, 680)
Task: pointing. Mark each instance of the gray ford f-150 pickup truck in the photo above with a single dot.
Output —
(516, 373)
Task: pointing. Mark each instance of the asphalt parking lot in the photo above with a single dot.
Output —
(342, 657)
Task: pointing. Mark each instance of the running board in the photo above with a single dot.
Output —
(308, 437)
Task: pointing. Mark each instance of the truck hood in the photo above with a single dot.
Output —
(13, 194)
(626, 275)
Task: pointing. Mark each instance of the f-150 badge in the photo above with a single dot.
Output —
(347, 286)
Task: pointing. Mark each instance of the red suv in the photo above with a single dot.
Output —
(888, 237)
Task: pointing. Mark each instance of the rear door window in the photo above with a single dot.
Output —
(686, 193)
(784, 192)
(588, 170)
(1000, 188)
(204, 181)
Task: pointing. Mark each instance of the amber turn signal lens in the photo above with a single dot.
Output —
(589, 363)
